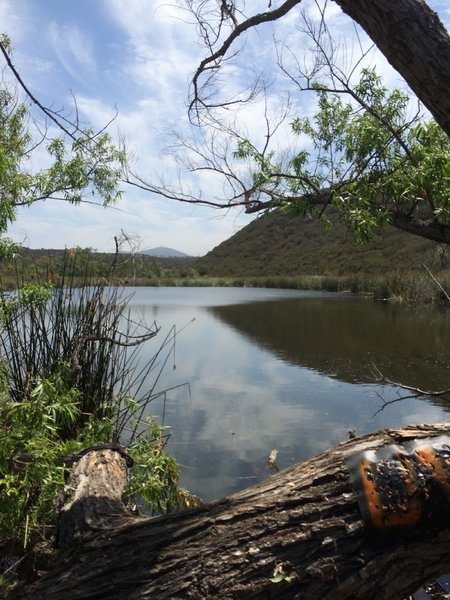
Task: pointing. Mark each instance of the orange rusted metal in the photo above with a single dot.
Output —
(396, 486)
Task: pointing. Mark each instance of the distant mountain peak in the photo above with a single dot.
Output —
(162, 251)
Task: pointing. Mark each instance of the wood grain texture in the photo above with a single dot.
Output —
(303, 524)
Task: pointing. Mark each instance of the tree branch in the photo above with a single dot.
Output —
(416, 392)
(33, 98)
(239, 29)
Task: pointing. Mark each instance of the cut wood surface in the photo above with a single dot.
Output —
(298, 534)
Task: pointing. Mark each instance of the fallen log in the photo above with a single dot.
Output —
(306, 532)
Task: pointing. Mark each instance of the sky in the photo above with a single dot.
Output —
(137, 57)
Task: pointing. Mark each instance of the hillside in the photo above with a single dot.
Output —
(272, 246)
(281, 244)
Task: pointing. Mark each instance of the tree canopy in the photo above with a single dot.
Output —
(77, 165)
(370, 151)
(367, 160)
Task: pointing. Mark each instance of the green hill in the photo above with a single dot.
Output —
(275, 250)
(279, 244)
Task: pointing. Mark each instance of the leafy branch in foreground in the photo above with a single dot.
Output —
(367, 160)
(362, 152)
(81, 166)
(367, 150)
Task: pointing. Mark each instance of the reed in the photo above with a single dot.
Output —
(81, 331)
(70, 378)
(411, 287)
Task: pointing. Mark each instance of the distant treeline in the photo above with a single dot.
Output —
(120, 269)
(276, 250)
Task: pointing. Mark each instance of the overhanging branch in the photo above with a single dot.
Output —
(430, 229)
(408, 32)
(239, 29)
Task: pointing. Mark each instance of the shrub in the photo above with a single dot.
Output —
(69, 380)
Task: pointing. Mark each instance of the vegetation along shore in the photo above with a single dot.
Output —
(274, 251)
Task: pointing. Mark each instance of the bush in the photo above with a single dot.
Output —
(67, 376)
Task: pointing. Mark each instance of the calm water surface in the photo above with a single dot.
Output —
(285, 369)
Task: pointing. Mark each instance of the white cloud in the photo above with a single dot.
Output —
(12, 21)
(140, 55)
(73, 49)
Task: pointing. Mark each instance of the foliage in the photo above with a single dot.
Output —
(366, 158)
(70, 379)
(35, 460)
(31, 449)
(158, 493)
(80, 167)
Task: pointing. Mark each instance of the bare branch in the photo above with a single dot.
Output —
(49, 113)
(415, 391)
(214, 60)
(446, 295)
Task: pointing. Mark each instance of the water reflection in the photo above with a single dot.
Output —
(345, 338)
(284, 371)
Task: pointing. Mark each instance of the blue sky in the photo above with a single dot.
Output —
(138, 56)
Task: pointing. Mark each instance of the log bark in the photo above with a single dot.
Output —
(415, 42)
(299, 534)
(93, 502)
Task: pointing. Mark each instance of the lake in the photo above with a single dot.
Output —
(286, 370)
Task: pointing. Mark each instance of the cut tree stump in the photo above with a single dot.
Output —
(299, 534)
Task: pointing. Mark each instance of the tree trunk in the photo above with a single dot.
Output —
(302, 533)
(415, 42)
(429, 228)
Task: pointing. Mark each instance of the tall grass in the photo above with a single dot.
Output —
(70, 378)
(411, 287)
(84, 332)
